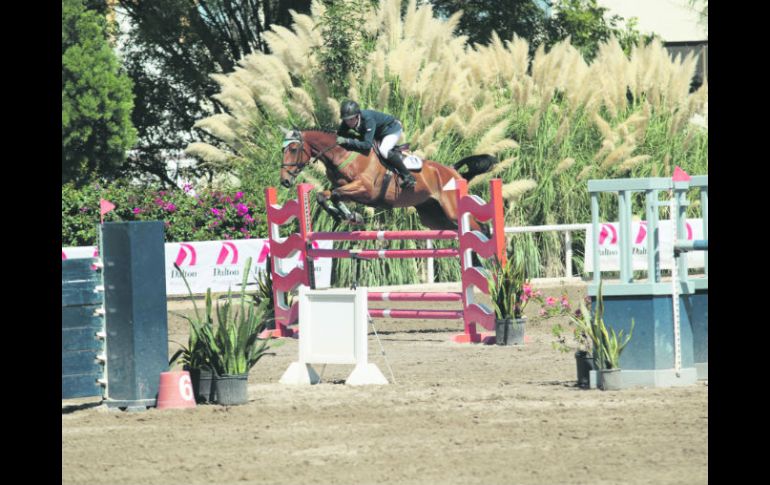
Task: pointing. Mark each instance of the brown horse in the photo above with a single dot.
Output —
(364, 179)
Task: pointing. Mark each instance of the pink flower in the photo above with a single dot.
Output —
(242, 209)
(138, 210)
(187, 187)
(238, 195)
(248, 219)
(170, 207)
(564, 302)
(215, 211)
(542, 312)
(550, 301)
(527, 288)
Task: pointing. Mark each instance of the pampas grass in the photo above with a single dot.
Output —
(565, 119)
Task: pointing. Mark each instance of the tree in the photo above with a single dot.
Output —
(96, 98)
(582, 20)
(585, 22)
(525, 18)
(174, 46)
(345, 47)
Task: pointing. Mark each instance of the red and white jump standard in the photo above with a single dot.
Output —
(468, 240)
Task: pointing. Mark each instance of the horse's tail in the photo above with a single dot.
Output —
(477, 164)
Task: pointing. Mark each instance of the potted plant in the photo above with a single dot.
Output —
(510, 293)
(581, 344)
(231, 346)
(605, 344)
(234, 346)
(195, 356)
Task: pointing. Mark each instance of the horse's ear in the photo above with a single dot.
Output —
(284, 130)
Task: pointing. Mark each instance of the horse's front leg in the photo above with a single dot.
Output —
(353, 190)
(323, 200)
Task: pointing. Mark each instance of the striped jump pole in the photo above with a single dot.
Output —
(468, 241)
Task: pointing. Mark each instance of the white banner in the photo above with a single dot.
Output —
(218, 264)
(609, 250)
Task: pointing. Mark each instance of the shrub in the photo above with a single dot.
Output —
(208, 215)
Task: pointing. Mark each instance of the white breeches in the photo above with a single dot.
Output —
(388, 142)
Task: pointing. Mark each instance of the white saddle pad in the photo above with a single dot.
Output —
(413, 162)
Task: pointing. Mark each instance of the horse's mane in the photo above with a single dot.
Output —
(321, 129)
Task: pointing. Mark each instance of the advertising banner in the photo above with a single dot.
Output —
(218, 264)
(609, 249)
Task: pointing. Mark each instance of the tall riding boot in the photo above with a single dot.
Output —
(397, 162)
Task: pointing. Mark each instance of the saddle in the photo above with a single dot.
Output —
(411, 161)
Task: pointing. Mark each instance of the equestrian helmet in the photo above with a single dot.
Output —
(349, 109)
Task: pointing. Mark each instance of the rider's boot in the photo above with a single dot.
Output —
(397, 162)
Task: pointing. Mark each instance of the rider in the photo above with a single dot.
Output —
(362, 126)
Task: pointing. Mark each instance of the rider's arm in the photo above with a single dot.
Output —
(370, 126)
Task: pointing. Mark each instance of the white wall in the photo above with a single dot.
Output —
(673, 20)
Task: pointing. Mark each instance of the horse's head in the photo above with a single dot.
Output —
(295, 156)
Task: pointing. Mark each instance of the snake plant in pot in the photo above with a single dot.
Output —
(606, 345)
(195, 355)
(231, 346)
(509, 292)
(234, 346)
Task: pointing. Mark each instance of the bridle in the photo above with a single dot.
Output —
(297, 162)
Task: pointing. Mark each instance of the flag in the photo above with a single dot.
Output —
(104, 207)
(680, 175)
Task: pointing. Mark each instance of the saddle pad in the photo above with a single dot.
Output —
(413, 162)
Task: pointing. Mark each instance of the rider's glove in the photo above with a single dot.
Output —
(341, 140)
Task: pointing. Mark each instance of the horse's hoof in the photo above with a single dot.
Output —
(356, 219)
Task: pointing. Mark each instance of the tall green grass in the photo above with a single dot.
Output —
(554, 120)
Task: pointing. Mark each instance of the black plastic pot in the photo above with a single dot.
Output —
(509, 331)
(231, 390)
(585, 364)
(201, 382)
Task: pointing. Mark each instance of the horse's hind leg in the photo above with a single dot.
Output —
(434, 217)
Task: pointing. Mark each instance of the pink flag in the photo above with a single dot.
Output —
(104, 207)
(680, 175)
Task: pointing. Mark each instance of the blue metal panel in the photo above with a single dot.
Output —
(78, 293)
(80, 386)
(77, 339)
(80, 362)
(80, 346)
(81, 316)
(652, 343)
(135, 302)
(79, 270)
(697, 306)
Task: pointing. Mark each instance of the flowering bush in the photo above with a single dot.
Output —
(581, 342)
(551, 306)
(188, 216)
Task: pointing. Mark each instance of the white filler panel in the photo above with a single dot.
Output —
(332, 330)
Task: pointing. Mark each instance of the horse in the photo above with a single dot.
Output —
(363, 178)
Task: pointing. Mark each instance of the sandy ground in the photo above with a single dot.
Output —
(456, 414)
